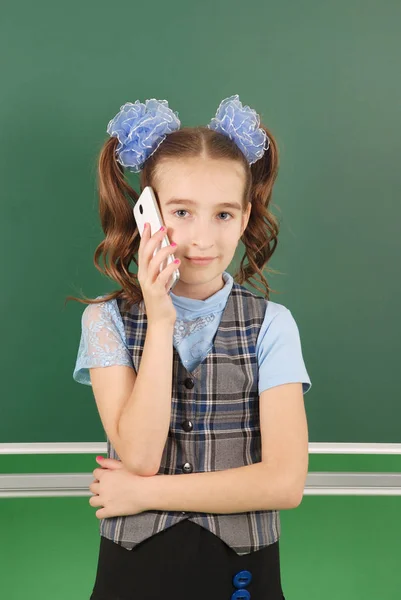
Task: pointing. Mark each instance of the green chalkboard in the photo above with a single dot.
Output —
(324, 78)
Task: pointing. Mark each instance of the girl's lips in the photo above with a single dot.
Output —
(200, 261)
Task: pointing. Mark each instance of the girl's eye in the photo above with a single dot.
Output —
(222, 213)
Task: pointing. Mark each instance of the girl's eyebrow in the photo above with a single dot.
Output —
(232, 205)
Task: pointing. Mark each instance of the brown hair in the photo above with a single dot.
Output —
(122, 238)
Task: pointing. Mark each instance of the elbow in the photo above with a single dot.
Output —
(296, 494)
(290, 498)
(296, 482)
(297, 498)
(145, 467)
(147, 472)
(291, 492)
(142, 469)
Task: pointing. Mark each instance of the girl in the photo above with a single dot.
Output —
(202, 397)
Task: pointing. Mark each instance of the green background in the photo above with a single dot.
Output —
(325, 79)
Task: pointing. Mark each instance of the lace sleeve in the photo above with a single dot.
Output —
(103, 342)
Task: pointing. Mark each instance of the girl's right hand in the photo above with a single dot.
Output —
(159, 306)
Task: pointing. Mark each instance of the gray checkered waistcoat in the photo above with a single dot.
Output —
(214, 425)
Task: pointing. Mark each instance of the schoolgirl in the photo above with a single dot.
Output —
(199, 388)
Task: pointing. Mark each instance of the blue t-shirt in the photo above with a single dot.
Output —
(278, 347)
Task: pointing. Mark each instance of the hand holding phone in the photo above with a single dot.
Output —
(157, 272)
(159, 306)
(147, 210)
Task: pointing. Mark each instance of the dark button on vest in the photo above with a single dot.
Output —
(189, 383)
(187, 468)
(187, 426)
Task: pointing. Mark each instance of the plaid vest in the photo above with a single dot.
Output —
(214, 425)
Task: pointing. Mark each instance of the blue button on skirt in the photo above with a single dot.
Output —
(186, 562)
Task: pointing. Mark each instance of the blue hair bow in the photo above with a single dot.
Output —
(241, 124)
(141, 128)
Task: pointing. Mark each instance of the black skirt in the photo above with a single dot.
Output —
(186, 562)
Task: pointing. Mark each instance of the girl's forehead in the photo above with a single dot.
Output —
(199, 164)
(197, 178)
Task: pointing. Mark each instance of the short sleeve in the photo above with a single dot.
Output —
(102, 342)
(280, 354)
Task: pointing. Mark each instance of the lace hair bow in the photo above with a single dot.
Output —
(141, 128)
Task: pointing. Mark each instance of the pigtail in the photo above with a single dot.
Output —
(260, 237)
(121, 241)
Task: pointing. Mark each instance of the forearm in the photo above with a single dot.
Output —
(145, 420)
(243, 489)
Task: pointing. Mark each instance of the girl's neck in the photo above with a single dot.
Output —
(199, 291)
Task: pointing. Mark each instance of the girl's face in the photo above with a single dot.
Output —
(192, 194)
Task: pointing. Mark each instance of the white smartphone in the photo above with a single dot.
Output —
(146, 210)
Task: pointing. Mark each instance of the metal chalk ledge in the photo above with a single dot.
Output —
(47, 485)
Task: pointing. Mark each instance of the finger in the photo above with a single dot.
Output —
(147, 252)
(152, 243)
(157, 260)
(143, 241)
(147, 235)
(166, 274)
(95, 487)
(144, 237)
(111, 463)
(95, 501)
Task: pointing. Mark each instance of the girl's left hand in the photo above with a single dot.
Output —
(119, 491)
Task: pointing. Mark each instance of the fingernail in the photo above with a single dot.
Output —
(161, 229)
(99, 457)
